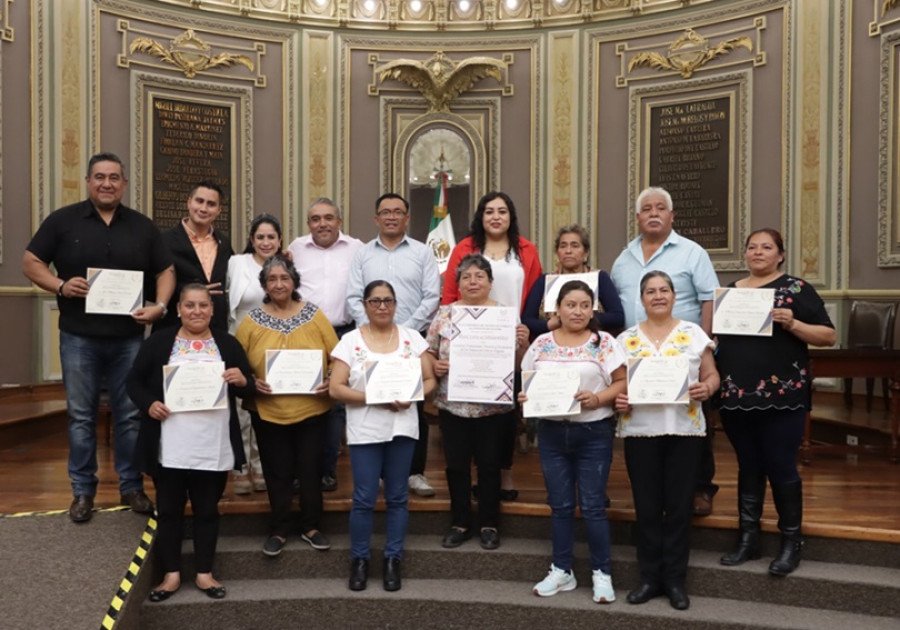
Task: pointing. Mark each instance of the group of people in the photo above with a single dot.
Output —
(359, 302)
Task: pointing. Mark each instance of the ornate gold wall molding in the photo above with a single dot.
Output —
(811, 234)
(884, 13)
(319, 121)
(735, 86)
(438, 15)
(889, 153)
(70, 78)
(562, 92)
(189, 53)
(691, 52)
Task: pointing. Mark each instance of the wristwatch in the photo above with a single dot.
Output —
(162, 305)
(60, 287)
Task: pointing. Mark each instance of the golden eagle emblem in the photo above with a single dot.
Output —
(688, 53)
(188, 53)
(439, 79)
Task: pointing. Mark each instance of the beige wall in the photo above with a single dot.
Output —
(561, 147)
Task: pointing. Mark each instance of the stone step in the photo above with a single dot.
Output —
(817, 585)
(467, 603)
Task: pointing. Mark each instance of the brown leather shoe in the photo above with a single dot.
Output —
(138, 502)
(703, 503)
(82, 509)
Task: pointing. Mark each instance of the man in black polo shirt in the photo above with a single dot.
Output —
(97, 350)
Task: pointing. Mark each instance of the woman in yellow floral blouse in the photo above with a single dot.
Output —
(662, 449)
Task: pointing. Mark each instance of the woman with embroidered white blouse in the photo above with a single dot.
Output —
(381, 438)
(662, 449)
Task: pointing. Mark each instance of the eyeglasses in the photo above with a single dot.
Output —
(379, 302)
(391, 212)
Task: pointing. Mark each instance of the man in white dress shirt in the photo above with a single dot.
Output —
(412, 270)
(323, 258)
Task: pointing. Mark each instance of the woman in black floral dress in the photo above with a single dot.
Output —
(765, 394)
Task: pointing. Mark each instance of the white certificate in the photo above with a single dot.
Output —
(390, 380)
(293, 371)
(551, 392)
(195, 386)
(114, 291)
(743, 312)
(482, 354)
(554, 283)
(658, 380)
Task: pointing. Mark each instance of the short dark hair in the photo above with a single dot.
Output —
(775, 236)
(105, 157)
(578, 285)
(474, 260)
(254, 226)
(573, 228)
(391, 195)
(211, 186)
(374, 285)
(656, 273)
(280, 260)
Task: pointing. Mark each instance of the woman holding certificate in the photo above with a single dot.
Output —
(189, 437)
(291, 409)
(765, 395)
(576, 446)
(244, 295)
(670, 372)
(470, 430)
(573, 249)
(381, 437)
(516, 266)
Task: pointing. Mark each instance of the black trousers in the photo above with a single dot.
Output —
(662, 471)
(707, 469)
(480, 439)
(174, 486)
(766, 441)
(420, 455)
(288, 452)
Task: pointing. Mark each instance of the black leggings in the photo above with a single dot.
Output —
(766, 441)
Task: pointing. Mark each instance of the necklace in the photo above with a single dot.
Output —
(381, 347)
(661, 333)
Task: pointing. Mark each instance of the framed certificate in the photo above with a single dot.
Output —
(195, 386)
(293, 371)
(390, 380)
(554, 283)
(551, 392)
(482, 354)
(114, 291)
(658, 380)
(743, 312)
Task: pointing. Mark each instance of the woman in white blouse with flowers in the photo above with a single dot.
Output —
(662, 449)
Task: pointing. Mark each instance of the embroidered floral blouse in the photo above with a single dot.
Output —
(686, 339)
(772, 372)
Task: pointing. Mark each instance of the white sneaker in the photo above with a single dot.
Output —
(241, 484)
(603, 588)
(557, 580)
(419, 484)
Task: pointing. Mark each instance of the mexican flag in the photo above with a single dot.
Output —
(440, 232)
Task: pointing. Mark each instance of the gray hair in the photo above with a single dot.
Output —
(325, 201)
(653, 190)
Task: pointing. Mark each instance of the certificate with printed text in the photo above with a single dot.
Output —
(390, 380)
(293, 371)
(658, 380)
(743, 312)
(551, 392)
(195, 386)
(482, 354)
(114, 291)
(554, 283)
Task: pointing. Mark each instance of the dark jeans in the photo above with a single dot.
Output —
(480, 439)
(288, 452)
(577, 455)
(174, 486)
(662, 471)
(707, 469)
(766, 442)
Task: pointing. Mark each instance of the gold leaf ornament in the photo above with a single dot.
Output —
(688, 53)
(188, 53)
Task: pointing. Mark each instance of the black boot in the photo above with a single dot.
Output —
(391, 574)
(789, 503)
(359, 574)
(751, 494)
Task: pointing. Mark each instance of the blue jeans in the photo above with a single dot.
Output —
(574, 453)
(370, 462)
(87, 364)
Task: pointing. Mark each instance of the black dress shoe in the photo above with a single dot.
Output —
(161, 595)
(643, 593)
(82, 509)
(391, 574)
(359, 574)
(455, 537)
(138, 502)
(213, 592)
(678, 598)
(490, 538)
